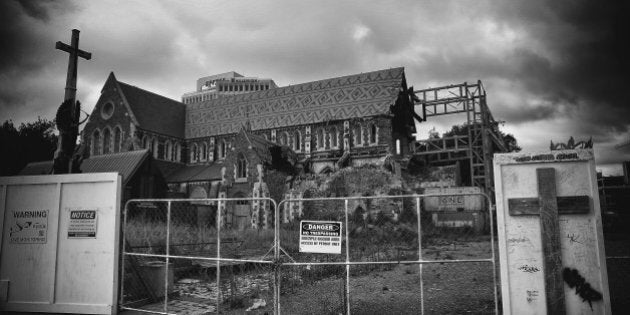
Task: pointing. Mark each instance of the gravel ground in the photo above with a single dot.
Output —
(452, 288)
(462, 288)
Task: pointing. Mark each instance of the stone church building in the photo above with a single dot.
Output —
(225, 147)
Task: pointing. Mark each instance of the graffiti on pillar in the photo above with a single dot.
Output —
(582, 288)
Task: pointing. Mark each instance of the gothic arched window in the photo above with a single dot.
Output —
(222, 149)
(178, 152)
(241, 166)
(168, 150)
(297, 141)
(117, 139)
(193, 153)
(107, 139)
(333, 137)
(373, 133)
(96, 142)
(155, 147)
(203, 151)
(358, 136)
(320, 139)
(284, 138)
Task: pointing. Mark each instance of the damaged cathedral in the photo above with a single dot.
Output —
(244, 137)
(224, 145)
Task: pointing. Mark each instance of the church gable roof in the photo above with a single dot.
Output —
(125, 163)
(360, 95)
(154, 112)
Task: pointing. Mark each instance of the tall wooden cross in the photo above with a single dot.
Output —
(67, 118)
(74, 52)
(548, 206)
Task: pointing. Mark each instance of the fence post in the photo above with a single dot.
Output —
(124, 250)
(494, 261)
(219, 207)
(168, 252)
(347, 261)
(420, 254)
(276, 257)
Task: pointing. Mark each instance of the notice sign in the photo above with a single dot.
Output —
(28, 227)
(452, 200)
(82, 224)
(320, 237)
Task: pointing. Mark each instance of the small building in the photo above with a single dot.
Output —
(141, 178)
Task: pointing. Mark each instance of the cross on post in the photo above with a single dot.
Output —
(548, 206)
(67, 118)
(74, 52)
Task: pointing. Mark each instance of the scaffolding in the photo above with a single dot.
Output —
(483, 138)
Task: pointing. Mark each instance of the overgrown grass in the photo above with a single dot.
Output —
(150, 237)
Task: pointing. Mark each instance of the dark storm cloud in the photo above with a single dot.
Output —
(36, 9)
(589, 40)
(25, 54)
(559, 66)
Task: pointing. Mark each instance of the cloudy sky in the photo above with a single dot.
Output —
(552, 69)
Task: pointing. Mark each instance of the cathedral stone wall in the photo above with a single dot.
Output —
(367, 139)
(100, 119)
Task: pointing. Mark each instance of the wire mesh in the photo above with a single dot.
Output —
(391, 255)
(380, 256)
(196, 257)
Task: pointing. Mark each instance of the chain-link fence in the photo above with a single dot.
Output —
(430, 254)
(197, 256)
(396, 255)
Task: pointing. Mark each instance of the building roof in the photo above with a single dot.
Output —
(125, 163)
(37, 168)
(167, 167)
(196, 173)
(154, 112)
(354, 96)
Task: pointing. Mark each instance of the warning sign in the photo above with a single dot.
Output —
(82, 224)
(320, 237)
(28, 227)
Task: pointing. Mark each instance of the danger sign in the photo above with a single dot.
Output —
(320, 237)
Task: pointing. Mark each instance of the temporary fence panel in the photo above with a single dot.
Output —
(198, 255)
(332, 255)
(390, 258)
(59, 243)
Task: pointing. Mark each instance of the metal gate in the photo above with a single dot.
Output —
(398, 254)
